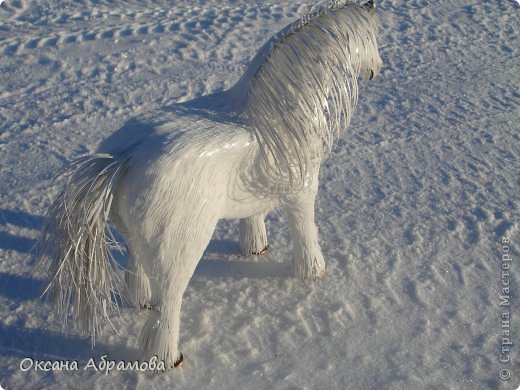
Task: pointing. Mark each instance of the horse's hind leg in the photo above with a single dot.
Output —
(253, 235)
(137, 282)
(136, 279)
(171, 261)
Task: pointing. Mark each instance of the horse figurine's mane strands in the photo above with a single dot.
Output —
(304, 90)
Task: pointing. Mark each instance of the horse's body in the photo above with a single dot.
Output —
(167, 177)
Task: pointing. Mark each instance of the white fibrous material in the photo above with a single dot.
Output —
(303, 90)
(82, 276)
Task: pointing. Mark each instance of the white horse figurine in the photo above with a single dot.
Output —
(167, 177)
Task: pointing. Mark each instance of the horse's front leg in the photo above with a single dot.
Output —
(307, 261)
(253, 235)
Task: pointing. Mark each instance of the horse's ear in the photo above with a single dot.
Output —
(370, 6)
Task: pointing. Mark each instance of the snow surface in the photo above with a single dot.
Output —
(412, 208)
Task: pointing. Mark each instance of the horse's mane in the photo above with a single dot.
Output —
(302, 89)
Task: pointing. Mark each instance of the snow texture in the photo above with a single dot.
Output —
(414, 201)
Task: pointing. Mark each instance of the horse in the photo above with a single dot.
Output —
(167, 176)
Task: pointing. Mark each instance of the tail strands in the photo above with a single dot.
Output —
(83, 275)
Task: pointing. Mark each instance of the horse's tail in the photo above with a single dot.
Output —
(82, 276)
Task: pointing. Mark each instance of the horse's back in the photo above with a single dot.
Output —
(176, 164)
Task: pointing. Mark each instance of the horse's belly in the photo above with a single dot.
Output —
(245, 205)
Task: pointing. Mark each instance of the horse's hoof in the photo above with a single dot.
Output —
(262, 252)
(179, 361)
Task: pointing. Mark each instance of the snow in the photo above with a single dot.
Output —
(412, 209)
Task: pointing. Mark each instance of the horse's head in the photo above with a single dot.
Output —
(368, 55)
